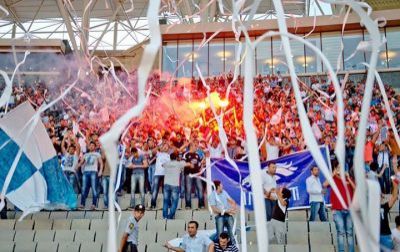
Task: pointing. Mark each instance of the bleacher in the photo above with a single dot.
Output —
(86, 231)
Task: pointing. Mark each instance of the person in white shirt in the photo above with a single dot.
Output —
(161, 158)
(92, 169)
(269, 185)
(316, 195)
(215, 149)
(396, 234)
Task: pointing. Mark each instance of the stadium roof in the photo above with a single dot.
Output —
(121, 24)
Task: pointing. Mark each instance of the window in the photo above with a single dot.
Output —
(278, 60)
(331, 47)
(382, 62)
(169, 58)
(200, 57)
(299, 60)
(185, 58)
(231, 49)
(217, 57)
(313, 61)
(353, 59)
(393, 45)
(264, 58)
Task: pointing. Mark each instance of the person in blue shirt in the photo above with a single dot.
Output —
(192, 241)
(224, 207)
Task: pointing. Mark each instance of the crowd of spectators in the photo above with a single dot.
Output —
(86, 112)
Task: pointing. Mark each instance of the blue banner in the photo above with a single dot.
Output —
(292, 172)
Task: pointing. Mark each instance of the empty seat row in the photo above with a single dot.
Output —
(51, 247)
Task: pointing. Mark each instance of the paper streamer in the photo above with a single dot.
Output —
(110, 139)
(4, 10)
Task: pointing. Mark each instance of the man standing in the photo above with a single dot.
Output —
(224, 208)
(224, 244)
(192, 241)
(129, 241)
(269, 185)
(341, 214)
(92, 169)
(194, 158)
(138, 164)
(71, 151)
(173, 170)
(316, 195)
(161, 158)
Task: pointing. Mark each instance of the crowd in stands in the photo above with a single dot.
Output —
(163, 148)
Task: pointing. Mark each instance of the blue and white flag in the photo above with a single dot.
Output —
(38, 181)
(292, 172)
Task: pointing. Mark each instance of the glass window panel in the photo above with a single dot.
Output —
(242, 66)
(170, 58)
(185, 58)
(353, 59)
(313, 61)
(200, 57)
(278, 60)
(331, 48)
(299, 60)
(264, 58)
(231, 49)
(382, 62)
(217, 56)
(393, 45)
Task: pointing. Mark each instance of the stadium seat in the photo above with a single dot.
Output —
(91, 247)
(7, 246)
(102, 236)
(58, 215)
(295, 237)
(94, 215)
(125, 202)
(76, 215)
(43, 224)
(156, 225)
(24, 235)
(298, 248)
(210, 224)
(23, 246)
(298, 226)
(68, 247)
(320, 238)
(80, 224)
(64, 236)
(297, 215)
(183, 215)
(162, 237)
(41, 216)
(156, 247)
(201, 216)
(7, 224)
(84, 236)
(251, 237)
(322, 247)
(24, 225)
(98, 224)
(43, 246)
(44, 235)
(276, 248)
(176, 225)
(151, 215)
(61, 224)
(147, 237)
(6, 235)
(320, 227)
(18, 214)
